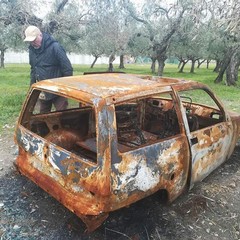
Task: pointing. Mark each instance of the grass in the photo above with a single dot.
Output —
(14, 82)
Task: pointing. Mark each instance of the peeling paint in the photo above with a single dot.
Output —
(128, 137)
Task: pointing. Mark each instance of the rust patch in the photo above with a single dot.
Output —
(128, 137)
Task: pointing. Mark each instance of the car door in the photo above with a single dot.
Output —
(209, 131)
(152, 149)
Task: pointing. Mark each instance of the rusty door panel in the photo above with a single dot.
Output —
(162, 165)
(210, 148)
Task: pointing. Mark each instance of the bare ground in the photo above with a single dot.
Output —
(211, 210)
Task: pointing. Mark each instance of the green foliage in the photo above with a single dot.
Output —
(15, 83)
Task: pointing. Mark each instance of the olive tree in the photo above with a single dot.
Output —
(159, 22)
(190, 43)
(14, 15)
(67, 21)
(108, 31)
(225, 15)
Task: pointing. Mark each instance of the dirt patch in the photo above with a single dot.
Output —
(211, 210)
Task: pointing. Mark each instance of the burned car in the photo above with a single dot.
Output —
(122, 138)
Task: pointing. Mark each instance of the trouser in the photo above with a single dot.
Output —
(60, 103)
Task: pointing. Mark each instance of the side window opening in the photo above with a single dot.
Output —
(69, 128)
(146, 121)
(201, 109)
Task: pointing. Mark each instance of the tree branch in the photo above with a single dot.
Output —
(61, 6)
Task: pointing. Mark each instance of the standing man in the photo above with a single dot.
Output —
(48, 60)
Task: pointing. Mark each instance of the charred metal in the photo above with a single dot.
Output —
(123, 137)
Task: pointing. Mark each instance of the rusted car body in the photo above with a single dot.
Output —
(122, 138)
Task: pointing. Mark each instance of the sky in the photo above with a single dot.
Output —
(43, 6)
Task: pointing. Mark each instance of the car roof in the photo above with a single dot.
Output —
(115, 86)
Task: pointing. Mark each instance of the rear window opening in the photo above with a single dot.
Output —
(73, 129)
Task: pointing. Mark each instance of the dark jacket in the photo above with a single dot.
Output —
(49, 61)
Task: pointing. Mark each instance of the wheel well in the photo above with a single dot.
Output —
(163, 196)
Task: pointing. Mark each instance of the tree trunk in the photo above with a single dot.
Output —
(225, 63)
(161, 65)
(200, 62)
(193, 65)
(180, 63)
(153, 65)
(111, 60)
(94, 61)
(219, 78)
(161, 59)
(121, 65)
(183, 65)
(2, 58)
(208, 61)
(232, 70)
(218, 66)
(110, 67)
